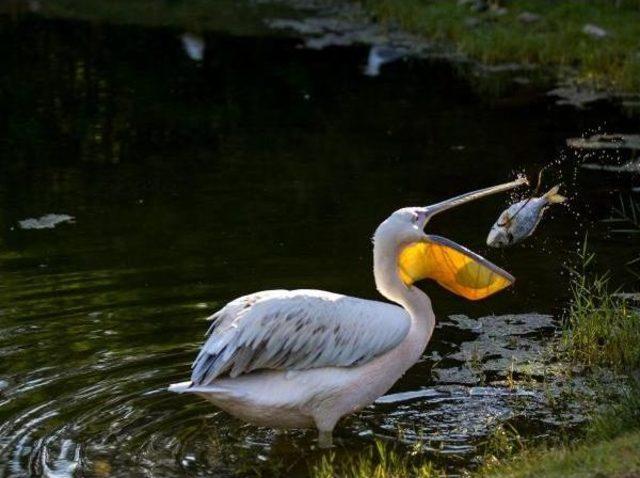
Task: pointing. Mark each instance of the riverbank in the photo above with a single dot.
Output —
(611, 458)
(608, 450)
(589, 44)
(595, 44)
(599, 342)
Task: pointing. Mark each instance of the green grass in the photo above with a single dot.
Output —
(612, 458)
(618, 418)
(615, 458)
(378, 462)
(555, 41)
(610, 449)
(600, 329)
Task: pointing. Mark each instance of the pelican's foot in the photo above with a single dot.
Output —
(325, 439)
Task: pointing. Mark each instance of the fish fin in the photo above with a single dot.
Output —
(552, 196)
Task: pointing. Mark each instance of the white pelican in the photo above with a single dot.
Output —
(304, 358)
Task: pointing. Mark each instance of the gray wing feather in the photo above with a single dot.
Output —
(297, 330)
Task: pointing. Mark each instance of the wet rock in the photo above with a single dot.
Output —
(300, 26)
(466, 323)
(528, 17)
(606, 141)
(457, 375)
(406, 396)
(594, 31)
(509, 324)
(609, 141)
(499, 392)
(323, 32)
(312, 25)
(573, 96)
(327, 40)
(457, 413)
(48, 221)
(504, 344)
(628, 167)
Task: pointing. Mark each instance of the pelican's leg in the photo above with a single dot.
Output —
(325, 438)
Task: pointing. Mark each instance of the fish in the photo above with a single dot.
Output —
(520, 220)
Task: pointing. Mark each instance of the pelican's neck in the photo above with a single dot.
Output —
(389, 284)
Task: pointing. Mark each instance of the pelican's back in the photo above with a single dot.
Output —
(297, 330)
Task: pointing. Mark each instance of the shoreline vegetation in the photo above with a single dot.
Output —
(593, 44)
(601, 331)
(599, 336)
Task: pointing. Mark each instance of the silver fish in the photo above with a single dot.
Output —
(521, 219)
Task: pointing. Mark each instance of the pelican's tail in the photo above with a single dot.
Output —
(553, 197)
(189, 387)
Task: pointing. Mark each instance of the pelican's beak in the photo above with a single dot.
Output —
(472, 196)
(451, 265)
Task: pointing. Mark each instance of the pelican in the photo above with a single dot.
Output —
(306, 358)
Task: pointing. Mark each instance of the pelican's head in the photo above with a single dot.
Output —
(403, 226)
(402, 249)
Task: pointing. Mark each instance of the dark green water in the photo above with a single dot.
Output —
(263, 166)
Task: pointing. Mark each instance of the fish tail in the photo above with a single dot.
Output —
(553, 197)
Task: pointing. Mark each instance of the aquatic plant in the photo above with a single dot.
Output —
(600, 328)
(379, 461)
(627, 214)
(501, 444)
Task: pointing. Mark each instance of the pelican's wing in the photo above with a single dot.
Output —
(297, 330)
(453, 266)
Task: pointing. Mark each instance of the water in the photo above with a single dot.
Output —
(262, 165)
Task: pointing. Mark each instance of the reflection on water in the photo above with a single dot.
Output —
(261, 166)
(380, 56)
(194, 46)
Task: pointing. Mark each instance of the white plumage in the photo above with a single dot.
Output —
(306, 358)
(297, 330)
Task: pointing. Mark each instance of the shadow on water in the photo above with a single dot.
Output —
(259, 165)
